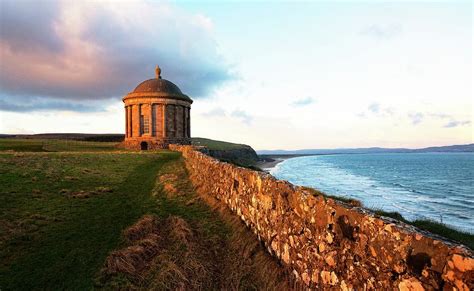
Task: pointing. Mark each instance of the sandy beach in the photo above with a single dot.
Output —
(268, 163)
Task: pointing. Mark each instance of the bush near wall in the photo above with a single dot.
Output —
(328, 243)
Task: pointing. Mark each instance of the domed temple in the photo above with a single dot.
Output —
(157, 114)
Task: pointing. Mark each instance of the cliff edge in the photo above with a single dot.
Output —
(238, 154)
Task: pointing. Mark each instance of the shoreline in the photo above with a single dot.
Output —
(267, 166)
(269, 162)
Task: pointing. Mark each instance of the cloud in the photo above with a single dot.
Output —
(25, 30)
(303, 102)
(456, 123)
(100, 50)
(416, 118)
(242, 116)
(440, 115)
(382, 31)
(374, 107)
(218, 111)
(44, 104)
(453, 122)
(378, 110)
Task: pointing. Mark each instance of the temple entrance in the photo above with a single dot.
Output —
(144, 146)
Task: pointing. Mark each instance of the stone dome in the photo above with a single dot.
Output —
(158, 85)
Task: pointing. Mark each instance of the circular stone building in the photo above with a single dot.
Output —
(157, 114)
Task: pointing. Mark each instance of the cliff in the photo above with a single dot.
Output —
(238, 154)
(328, 243)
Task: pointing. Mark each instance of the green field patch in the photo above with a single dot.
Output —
(54, 145)
(50, 236)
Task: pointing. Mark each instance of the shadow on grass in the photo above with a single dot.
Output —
(66, 254)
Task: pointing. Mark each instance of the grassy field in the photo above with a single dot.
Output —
(60, 145)
(63, 216)
(62, 213)
(215, 144)
(54, 145)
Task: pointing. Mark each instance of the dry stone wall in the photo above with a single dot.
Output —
(327, 243)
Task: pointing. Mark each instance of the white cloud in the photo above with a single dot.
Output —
(99, 50)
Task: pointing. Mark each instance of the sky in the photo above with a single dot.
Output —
(271, 74)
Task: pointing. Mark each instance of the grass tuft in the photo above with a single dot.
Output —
(351, 201)
(433, 227)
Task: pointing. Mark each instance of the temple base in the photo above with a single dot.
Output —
(141, 143)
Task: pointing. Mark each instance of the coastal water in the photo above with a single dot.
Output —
(436, 186)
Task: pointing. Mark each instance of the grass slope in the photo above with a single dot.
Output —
(49, 240)
(63, 215)
(216, 144)
(200, 247)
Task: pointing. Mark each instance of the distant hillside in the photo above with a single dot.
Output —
(448, 149)
(239, 154)
(105, 137)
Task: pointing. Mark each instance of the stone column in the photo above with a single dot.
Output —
(153, 119)
(185, 121)
(126, 121)
(164, 121)
(130, 121)
(136, 120)
(189, 122)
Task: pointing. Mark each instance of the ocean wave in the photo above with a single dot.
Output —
(424, 190)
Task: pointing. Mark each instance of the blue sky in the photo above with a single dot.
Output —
(271, 74)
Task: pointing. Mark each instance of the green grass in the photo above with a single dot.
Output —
(351, 201)
(434, 227)
(21, 145)
(216, 144)
(78, 146)
(238, 154)
(220, 252)
(249, 164)
(54, 145)
(428, 225)
(49, 240)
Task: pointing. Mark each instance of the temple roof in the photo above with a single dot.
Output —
(157, 85)
(160, 86)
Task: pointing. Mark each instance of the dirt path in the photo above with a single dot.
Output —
(190, 242)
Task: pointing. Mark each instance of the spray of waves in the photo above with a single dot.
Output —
(319, 173)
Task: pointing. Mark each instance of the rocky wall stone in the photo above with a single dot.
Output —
(327, 243)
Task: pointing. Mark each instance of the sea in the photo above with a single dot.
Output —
(435, 186)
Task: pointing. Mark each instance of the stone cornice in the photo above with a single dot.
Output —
(154, 100)
(160, 95)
